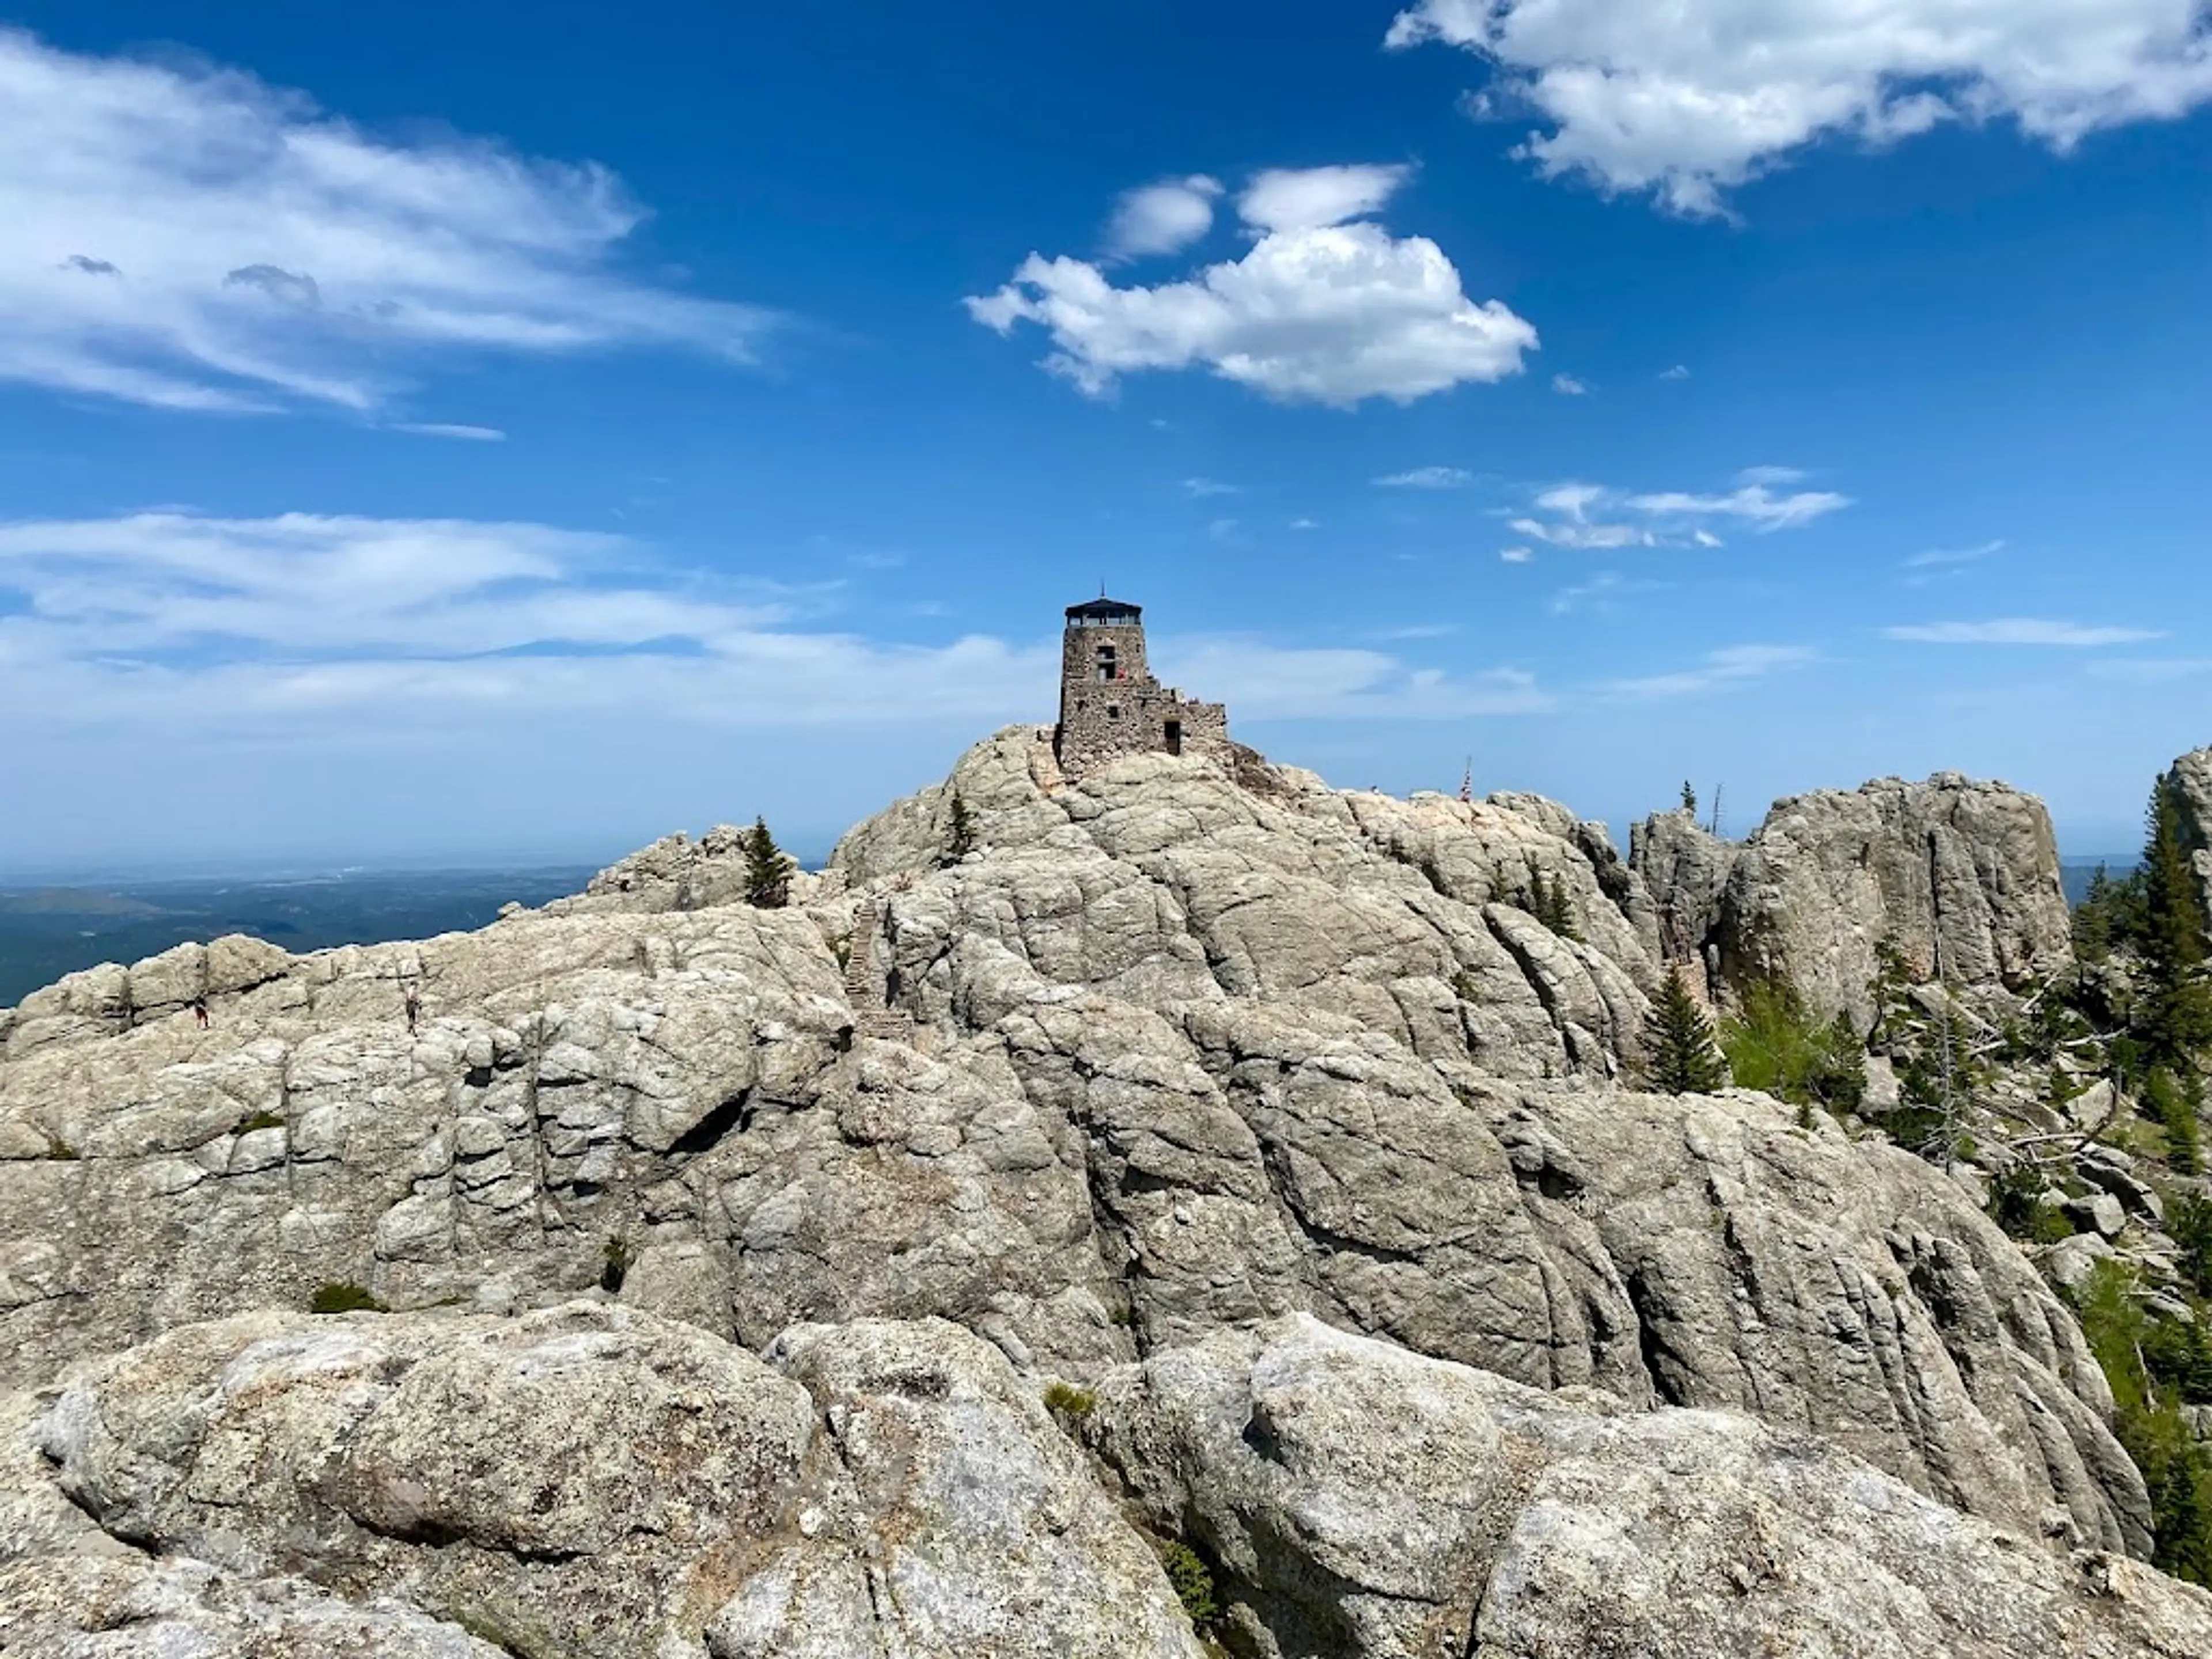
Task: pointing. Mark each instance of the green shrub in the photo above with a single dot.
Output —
(1193, 1581)
(60, 1150)
(617, 1259)
(1776, 1044)
(1066, 1400)
(2172, 1103)
(344, 1297)
(1917, 1128)
(2178, 1353)
(2013, 1207)
(259, 1120)
(2189, 1220)
(2149, 1421)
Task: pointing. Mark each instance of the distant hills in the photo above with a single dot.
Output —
(2075, 874)
(47, 931)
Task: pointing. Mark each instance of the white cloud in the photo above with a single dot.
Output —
(2018, 630)
(1305, 523)
(1516, 554)
(1204, 487)
(1688, 100)
(1417, 631)
(1162, 218)
(1314, 198)
(1678, 371)
(1734, 664)
(1587, 515)
(1316, 311)
(320, 631)
(1951, 556)
(1568, 386)
(169, 584)
(1427, 477)
(483, 434)
(1755, 503)
(192, 239)
(1227, 531)
(1572, 533)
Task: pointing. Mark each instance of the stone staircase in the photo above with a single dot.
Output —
(867, 987)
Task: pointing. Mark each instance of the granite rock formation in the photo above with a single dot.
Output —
(2190, 778)
(1961, 877)
(1186, 1056)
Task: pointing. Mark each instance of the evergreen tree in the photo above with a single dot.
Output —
(962, 840)
(768, 869)
(1556, 910)
(1689, 799)
(2177, 1012)
(1682, 1056)
(2094, 918)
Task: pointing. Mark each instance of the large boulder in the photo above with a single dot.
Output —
(1363, 1503)
(74, 1607)
(588, 1482)
(1960, 877)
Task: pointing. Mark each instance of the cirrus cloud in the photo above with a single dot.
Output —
(1688, 100)
(321, 628)
(2018, 630)
(1731, 666)
(1588, 515)
(1326, 307)
(193, 238)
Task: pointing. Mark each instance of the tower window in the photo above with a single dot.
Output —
(1113, 711)
(1108, 669)
(1174, 737)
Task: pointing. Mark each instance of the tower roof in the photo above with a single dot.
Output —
(1101, 607)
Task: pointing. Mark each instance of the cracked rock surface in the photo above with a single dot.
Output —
(1365, 1501)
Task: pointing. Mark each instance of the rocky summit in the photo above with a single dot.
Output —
(1181, 1208)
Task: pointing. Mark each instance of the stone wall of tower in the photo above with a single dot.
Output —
(1080, 648)
(1110, 704)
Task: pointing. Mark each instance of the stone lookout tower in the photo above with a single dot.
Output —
(1110, 704)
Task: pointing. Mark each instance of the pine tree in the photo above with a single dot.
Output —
(1560, 909)
(961, 840)
(1682, 1058)
(2094, 918)
(2179, 1018)
(768, 869)
(1689, 799)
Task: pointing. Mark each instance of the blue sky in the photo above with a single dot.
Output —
(483, 432)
